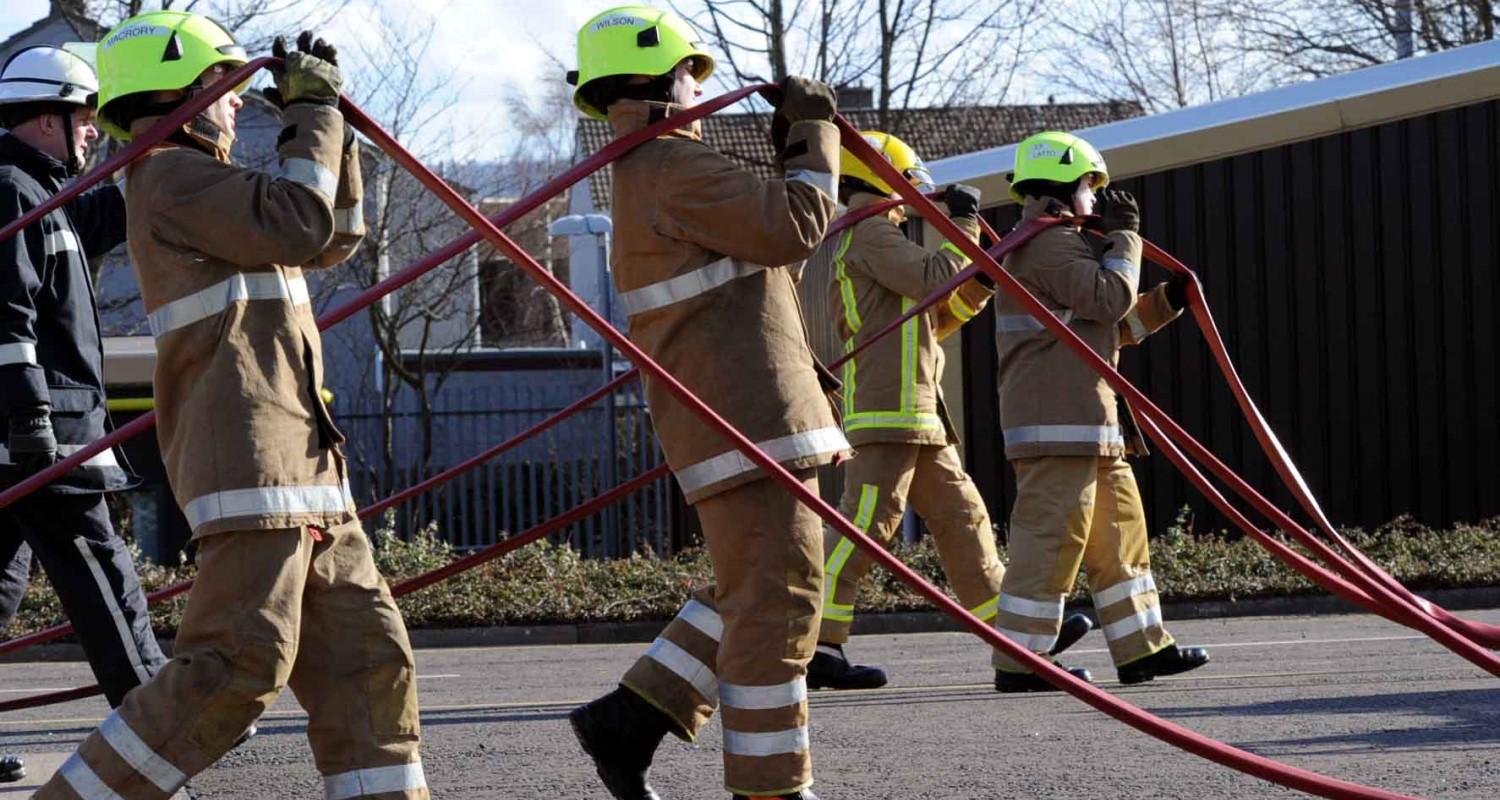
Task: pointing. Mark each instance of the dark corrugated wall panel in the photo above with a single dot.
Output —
(1354, 280)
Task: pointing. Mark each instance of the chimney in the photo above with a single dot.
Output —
(854, 98)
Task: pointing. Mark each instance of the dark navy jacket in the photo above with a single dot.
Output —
(51, 351)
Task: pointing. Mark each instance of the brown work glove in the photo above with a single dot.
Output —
(310, 74)
(798, 100)
(1120, 212)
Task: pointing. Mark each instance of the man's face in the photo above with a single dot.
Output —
(685, 88)
(1083, 196)
(225, 109)
(85, 133)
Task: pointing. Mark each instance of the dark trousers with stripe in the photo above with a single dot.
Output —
(91, 570)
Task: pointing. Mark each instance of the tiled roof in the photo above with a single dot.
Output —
(934, 132)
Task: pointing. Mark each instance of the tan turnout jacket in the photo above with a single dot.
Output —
(702, 249)
(893, 389)
(219, 251)
(1051, 403)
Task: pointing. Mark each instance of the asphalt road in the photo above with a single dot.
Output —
(1348, 696)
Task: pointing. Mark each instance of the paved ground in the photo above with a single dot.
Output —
(1348, 696)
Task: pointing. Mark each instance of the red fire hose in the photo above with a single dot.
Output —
(1247, 762)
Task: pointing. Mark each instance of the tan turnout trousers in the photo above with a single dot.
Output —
(767, 593)
(879, 482)
(292, 607)
(1073, 510)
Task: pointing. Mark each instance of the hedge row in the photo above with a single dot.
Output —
(546, 583)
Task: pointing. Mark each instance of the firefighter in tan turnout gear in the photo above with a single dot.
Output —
(287, 590)
(700, 252)
(893, 407)
(1065, 435)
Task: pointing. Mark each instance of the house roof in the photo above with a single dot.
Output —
(87, 30)
(934, 132)
(1303, 111)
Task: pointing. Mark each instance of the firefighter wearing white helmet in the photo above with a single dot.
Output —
(288, 593)
(1065, 434)
(894, 414)
(51, 372)
(702, 248)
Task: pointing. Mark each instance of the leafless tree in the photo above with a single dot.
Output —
(254, 22)
(1163, 54)
(1304, 39)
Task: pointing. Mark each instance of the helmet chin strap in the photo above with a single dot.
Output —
(71, 161)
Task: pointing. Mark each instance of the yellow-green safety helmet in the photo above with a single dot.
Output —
(634, 40)
(1058, 157)
(899, 153)
(160, 51)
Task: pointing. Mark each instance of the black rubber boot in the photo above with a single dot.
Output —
(620, 732)
(1022, 682)
(830, 669)
(1169, 660)
(12, 768)
(805, 794)
(1075, 627)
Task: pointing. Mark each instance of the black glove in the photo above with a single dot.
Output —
(1120, 212)
(1177, 287)
(32, 446)
(798, 99)
(308, 75)
(962, 201)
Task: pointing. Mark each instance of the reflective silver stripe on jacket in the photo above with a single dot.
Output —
(824, 182)
(62, 240)
(687, 286)
(18, 353)
(311, 174)
(105, 458)
(760, 745)
(134, 751)
(1025, 323)
(1130, 269)
(267, 500)
(728, 465)
(374, 780)
(763, 698)
(350, 220)
(214, 300)
(1065, 434)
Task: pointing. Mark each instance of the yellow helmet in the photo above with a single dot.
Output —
(899, 153)
(1057, 157)
(159, 51)
(634, 40)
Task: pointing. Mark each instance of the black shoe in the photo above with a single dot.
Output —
(1169, 660)
(620, 732)
(1019, 682)
(1075, 627)
(830, 669)
(12, 768)
(805, 794)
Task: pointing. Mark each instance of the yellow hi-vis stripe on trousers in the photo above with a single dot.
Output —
(869, 493)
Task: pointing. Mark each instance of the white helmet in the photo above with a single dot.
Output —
(46, 74)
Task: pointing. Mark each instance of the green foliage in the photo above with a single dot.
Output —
(546, 583)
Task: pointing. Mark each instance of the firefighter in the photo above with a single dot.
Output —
(287, 590)
(52, 371)
(1065, 435)
(894, 414)
(701, 248)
